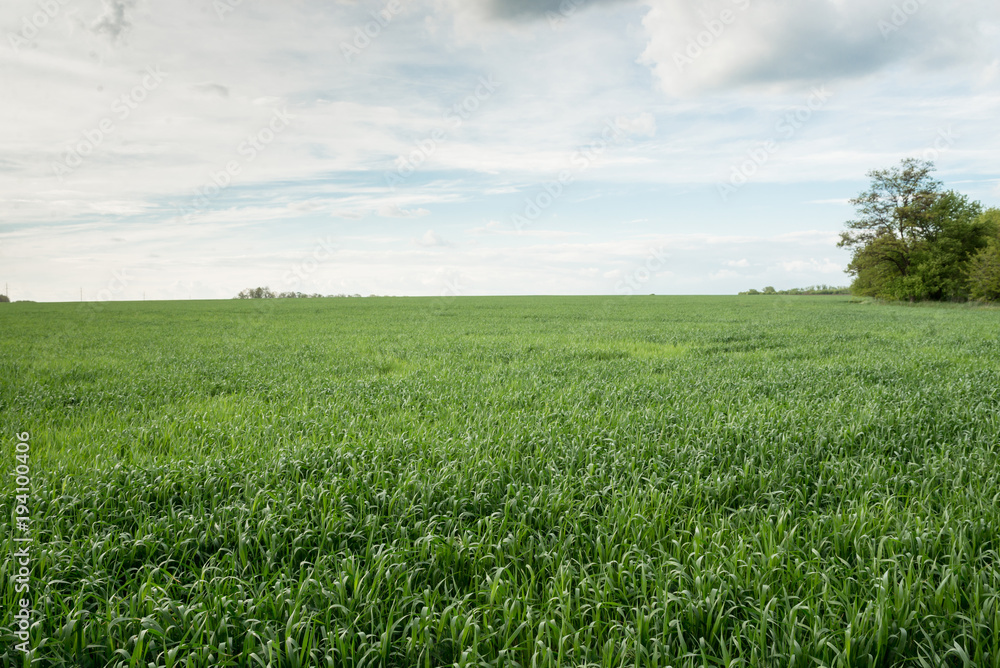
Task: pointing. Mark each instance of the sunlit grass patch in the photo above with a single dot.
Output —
(648, 350)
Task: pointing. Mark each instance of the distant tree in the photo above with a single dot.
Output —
(811, 290)
(256, 293)
(266, 293)
(4, 299)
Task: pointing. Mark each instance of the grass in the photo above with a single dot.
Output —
(643, 481)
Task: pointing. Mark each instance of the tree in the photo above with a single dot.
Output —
(894, 216)
(984, 268)
(912, 240)
(4, 299)
(940, 262)
(256, 293)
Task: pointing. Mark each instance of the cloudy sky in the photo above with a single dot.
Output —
(461, 147)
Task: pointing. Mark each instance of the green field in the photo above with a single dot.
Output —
(574, 481)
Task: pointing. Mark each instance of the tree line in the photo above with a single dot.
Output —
(913, 240)
(267, 293)
(811, 290)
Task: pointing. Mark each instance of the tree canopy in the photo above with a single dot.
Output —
(914, 240)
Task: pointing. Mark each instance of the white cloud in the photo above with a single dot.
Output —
(825, 266)
(393, 210)
(723, 274)
(643, 125)
(498, 228)
(226, 254)
(430, 240)
(492, 227)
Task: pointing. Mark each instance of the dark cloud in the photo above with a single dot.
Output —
(830, 42)
(115, 21)
(732, 43)
(527, 10)
(213, 88)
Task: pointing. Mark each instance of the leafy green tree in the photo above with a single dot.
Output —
(990, 220)
(984, 268)
(875, 275)
(912, 240)
(894, 216)
(940, 263)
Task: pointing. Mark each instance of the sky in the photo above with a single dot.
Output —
(194, 148)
